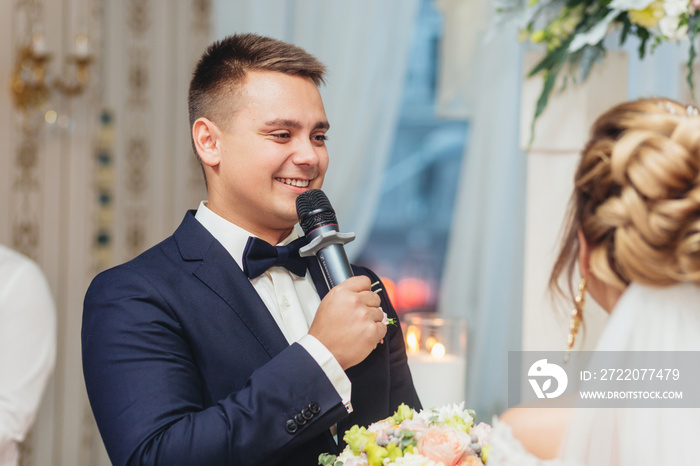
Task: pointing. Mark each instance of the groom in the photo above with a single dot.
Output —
(192, 358)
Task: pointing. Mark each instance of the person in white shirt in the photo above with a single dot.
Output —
(27, 348)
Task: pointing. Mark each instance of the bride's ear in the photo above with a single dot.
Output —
(584, 255)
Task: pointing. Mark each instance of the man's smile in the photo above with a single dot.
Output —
(294, 182)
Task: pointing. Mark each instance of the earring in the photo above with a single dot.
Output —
(576, 317)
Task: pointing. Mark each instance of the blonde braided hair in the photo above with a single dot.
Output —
(637, 197)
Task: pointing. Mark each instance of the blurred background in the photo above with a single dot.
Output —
(427, 164)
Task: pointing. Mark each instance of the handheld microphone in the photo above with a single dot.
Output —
(317, 219)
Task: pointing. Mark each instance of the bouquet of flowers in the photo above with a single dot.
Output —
(444, 436)
(573, 31)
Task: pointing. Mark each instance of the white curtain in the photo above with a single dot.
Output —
(482, 278)
(365, 45)
(463, 27)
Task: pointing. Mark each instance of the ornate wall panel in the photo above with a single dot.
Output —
(110, 175)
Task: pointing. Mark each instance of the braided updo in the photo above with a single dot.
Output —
(637, 197)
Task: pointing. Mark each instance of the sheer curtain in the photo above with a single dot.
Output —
(365, 45)
(483, 271)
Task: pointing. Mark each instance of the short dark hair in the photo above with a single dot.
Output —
(223, 67)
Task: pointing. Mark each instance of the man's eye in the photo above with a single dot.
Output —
(321, 137)
(281, 135)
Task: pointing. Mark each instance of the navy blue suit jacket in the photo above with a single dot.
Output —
(184, 365)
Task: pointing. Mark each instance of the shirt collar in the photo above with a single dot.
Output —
(232, 237)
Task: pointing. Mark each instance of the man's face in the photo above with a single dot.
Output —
(272, 150)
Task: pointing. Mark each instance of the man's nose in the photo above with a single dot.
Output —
(306, 153)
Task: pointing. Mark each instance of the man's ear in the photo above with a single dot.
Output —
(584, 254)
(206, 135)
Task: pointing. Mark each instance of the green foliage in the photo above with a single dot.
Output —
(573, 32)
(326, 459)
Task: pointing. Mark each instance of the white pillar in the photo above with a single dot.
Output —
(560, 134)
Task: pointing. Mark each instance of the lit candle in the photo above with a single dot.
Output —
(412, 339)
(436, 351)
(439, 377)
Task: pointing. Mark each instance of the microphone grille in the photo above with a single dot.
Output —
(314, 210)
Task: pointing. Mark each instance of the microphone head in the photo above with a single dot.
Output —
(314, 210)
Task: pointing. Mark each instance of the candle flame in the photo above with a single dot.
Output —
(412, 339)
(438, 350)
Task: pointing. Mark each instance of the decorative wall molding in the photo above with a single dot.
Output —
(114, 179)
(139, 16)
(27, 185)
(27, 188)
(103, 194)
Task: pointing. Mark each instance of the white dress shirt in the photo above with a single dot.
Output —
(27, 348)
(291, 300)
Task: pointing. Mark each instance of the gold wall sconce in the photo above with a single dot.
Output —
(30, 86)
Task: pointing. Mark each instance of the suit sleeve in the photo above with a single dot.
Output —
(401, 389)
(146, 392)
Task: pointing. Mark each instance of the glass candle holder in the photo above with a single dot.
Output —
(436, 347)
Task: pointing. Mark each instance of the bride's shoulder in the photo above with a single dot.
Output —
(528, 435)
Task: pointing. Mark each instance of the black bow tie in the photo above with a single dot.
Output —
(259, 256)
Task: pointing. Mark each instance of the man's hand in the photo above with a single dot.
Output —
(349, 321)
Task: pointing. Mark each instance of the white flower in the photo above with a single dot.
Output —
(625, 5)
(348, 458)
(414, 460)
(444, 413)
(598, 32)
(675, 7)
(594, 34)
(449, 411)
(669, 28)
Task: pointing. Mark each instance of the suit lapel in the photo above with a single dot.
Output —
(224, 277)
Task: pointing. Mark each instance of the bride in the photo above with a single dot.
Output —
(634, 230)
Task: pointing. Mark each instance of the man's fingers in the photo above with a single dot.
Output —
(371, 299)
(381, 329)
(358, 283)
(376, 314)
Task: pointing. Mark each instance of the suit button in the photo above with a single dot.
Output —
(307, 414)
(314, 407)
(301, 420)
(291, 426)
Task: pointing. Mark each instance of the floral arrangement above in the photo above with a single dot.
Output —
(444, 436)
(573, 32)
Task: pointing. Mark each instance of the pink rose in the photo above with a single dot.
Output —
(416, 425)
(483, 433)
(356, 461)
(444, 444)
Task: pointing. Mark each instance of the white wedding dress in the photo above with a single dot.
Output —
(645, 319)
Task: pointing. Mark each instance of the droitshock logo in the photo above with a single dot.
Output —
(546, 372)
